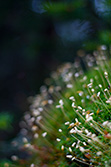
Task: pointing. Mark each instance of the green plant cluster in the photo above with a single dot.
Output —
(68, 123)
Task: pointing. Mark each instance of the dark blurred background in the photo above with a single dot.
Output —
(36, 36)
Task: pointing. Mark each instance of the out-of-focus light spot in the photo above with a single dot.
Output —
(37, 6)
(73, 30)
(102, 7)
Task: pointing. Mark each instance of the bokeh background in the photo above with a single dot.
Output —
(36, 36)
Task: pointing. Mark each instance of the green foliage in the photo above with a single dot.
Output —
(43, 33)
(69, 122)
(105, 36)
(7, 163)
(5, 121)
(60, 7)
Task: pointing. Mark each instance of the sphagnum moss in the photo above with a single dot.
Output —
(68, 123)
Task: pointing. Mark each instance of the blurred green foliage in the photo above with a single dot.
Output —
(7, 163)
(5, 121)
(61, 7)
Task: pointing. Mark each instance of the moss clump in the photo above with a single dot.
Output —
(68, 123)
